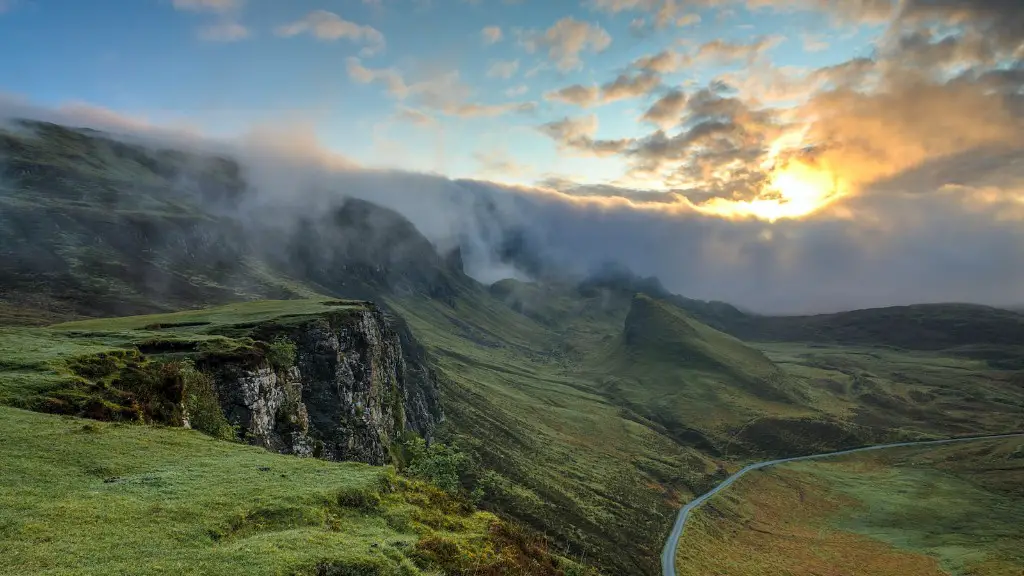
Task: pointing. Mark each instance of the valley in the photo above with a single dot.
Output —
(935, 510)
(571, 416)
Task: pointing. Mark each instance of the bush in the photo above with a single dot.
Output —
(281, 353)
(444, 466)
(201, 404)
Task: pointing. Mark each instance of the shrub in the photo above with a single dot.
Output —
(442, 465)
(202, 406)
(281, 353)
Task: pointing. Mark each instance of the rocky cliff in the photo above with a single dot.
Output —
(342, 386)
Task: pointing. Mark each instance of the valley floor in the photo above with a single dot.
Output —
(955, 509)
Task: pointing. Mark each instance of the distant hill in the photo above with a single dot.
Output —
(90, 225)
(915, 327)
(697, 382)
(661, 332)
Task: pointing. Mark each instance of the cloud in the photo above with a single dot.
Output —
(389, 77)
(413, 116)
(566, 41)
(664, 62)
(577, 95)
(688, 20)
(219, 6)
(814, 43)
(946, 229)
(443, 93)
(516, 91)
(499, 164)
(577, 135)
(667, 111)
(328, 26)
(623, 87)
(626, 86)
(502, 69)
(843, 12)
(224, 32)
(491, 34)
(720, 52)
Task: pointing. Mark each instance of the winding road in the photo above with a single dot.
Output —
(668, 554)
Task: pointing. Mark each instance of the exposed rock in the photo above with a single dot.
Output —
(355, 386)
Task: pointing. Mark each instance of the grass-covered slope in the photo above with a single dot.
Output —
(702, 385)
(95, 226)
(982, 331)
(956, 509)
(600, 410)
(596, 477)
(85, 497)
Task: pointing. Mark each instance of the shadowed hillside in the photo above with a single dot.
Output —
(94, 226)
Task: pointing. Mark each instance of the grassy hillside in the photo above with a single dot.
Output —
(955, 509)
(699, 383)
(94, 226)
(980, 331)
(596, 477)
(602, 411)
(84, 497)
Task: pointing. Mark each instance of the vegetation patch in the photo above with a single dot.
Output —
(954, 509)
(103, 498)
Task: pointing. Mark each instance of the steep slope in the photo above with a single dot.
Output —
(659, 332)
(702, 385)
(554, 451)
(90, 225)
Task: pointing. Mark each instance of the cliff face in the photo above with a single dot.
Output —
(352, 387)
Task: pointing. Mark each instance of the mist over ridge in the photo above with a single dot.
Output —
(874, 249)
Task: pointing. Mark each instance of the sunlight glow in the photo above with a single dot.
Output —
(795, 188)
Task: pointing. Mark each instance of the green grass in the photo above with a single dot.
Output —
(955, 509)
(84, 497)
(34, 361)
(593, 417)
(209, 319)
(908, 392)
(598, 440)
(564, 458)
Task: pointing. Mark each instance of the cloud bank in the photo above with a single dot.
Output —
(948, 230)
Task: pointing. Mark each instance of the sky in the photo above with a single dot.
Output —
(789, 155)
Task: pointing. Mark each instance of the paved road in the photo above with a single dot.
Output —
(668, 554)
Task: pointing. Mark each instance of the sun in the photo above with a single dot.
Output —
(794, 190)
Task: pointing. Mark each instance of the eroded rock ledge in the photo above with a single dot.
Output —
(347, 392)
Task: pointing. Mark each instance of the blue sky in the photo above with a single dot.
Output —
(164, 60)
(719, 101)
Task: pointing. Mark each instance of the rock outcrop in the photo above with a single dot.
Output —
(351, 388)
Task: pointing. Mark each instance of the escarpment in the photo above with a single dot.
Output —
(343, 385)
